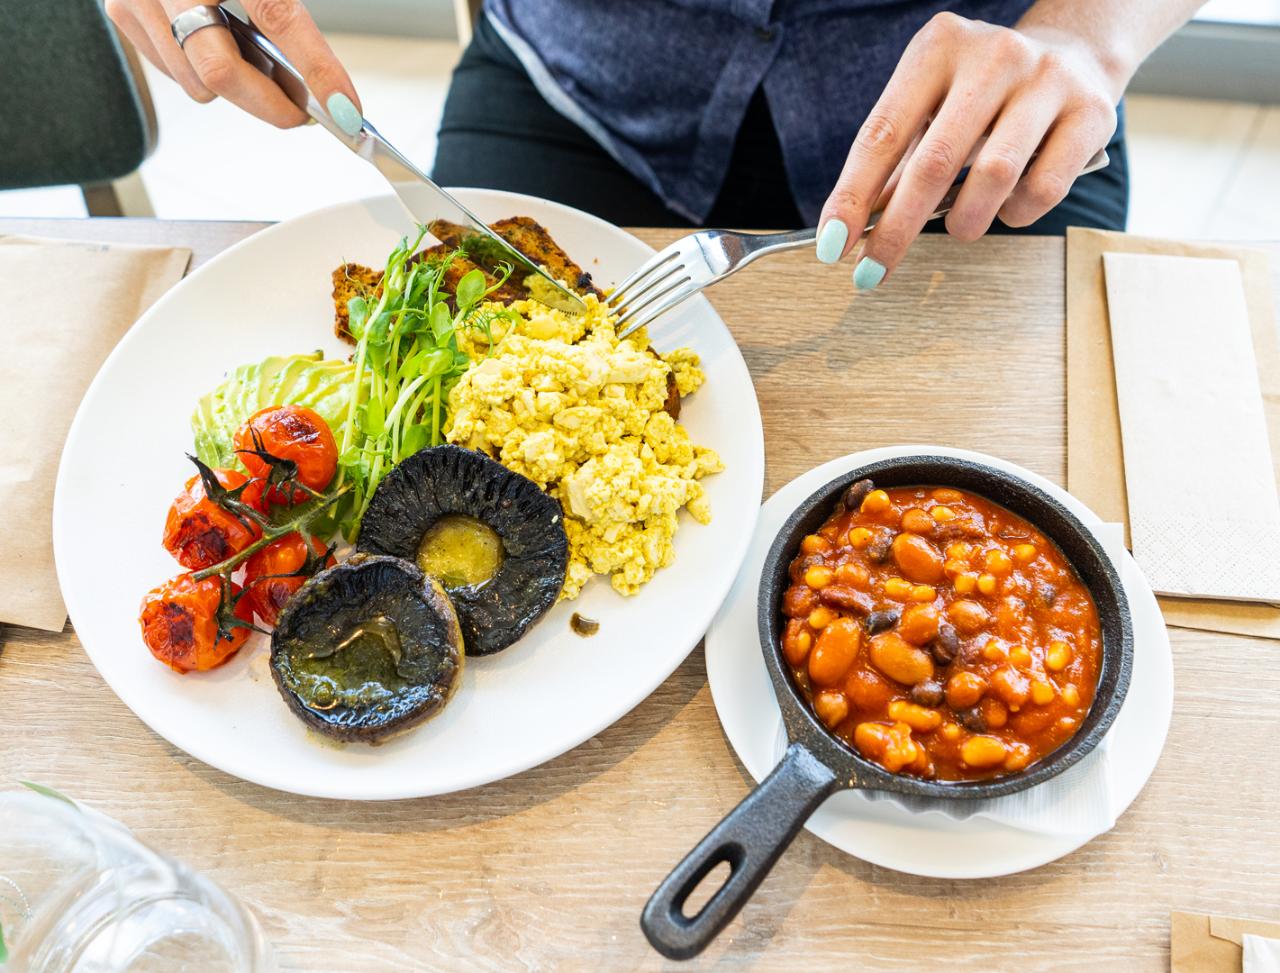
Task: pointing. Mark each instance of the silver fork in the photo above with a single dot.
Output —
(672, 276)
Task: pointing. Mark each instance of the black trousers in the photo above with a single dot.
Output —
(498, 132)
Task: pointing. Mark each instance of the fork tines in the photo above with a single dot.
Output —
(634, 300)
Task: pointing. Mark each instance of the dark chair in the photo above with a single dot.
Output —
(78, 108)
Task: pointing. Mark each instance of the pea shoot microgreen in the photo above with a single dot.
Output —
(47, 791)
(406, 362)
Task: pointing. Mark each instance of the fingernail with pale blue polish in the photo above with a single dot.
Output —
(868, 274)
(344, 113)
(831, 241)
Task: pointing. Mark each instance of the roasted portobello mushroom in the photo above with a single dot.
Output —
(367, 649)
(492, 538)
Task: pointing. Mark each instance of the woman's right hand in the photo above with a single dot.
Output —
(209, 65)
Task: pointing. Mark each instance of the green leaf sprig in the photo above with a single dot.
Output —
(307, 518)
(406, 362)
(46, 791)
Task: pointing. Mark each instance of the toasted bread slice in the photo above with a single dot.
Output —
(530, 238)
(460, 266)
(352, 280)
(526, 235)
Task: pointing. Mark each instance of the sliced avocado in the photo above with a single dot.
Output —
(322, 385)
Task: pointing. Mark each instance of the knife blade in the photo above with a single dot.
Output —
(426, 202)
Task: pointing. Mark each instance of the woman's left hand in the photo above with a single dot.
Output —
(1026, 89)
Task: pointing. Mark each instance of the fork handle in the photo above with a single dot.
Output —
(766, 243)
(761, 244)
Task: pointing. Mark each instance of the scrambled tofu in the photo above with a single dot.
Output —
(562, 401)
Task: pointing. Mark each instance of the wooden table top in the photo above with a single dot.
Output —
(549, 869)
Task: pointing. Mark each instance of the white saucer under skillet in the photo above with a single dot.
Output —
(881, 832)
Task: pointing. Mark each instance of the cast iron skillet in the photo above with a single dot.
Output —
(817, 764)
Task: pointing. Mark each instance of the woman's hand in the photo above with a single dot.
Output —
(1027, 88)
(209, 65)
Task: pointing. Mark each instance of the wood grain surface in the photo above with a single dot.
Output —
(549, 870)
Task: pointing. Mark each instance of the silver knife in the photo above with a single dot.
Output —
(425, 201)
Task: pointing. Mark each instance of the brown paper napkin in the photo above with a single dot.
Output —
(68, 303)
(1095, 459)
(1212, 944)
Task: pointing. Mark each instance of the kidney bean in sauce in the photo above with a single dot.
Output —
(953, 590)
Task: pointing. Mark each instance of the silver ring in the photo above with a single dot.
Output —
(197, 18)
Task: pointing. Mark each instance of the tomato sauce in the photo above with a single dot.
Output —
(939, 634)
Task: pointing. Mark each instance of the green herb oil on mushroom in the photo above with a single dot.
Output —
(367, 649)
(460, 551)
(489, 536)
(360, 667)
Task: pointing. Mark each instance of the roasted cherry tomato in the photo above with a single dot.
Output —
(268, 592)
(179, 623)
(199, 533)
(289, 432)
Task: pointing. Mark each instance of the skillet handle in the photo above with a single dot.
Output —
(750, 838)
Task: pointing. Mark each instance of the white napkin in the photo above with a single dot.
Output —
(1261, 955)
(1077, 801)
(1192, 418)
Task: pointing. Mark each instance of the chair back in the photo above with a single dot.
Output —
(75, 113)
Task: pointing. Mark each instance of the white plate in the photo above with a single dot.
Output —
(270, 295)
(881, 832)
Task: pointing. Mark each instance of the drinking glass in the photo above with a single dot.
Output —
(80, 894)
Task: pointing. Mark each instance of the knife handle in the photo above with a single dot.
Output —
(262, 54)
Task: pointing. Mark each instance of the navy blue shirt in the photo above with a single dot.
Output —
(663, 85)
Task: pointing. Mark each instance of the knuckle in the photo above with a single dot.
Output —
(1009, 46)
(1097, 107)
(936, 161)
(944, 24)
(999, 164)
(1045, 190)
(325, 77)
(889, 241)
(1052, 63)
(198, 92)
(965, 227)
(846, 199)
(276, 16)
(215, 70)
(880, 133)
(1088, 129)
(116, 10)
(283, 116)
(1015, 214)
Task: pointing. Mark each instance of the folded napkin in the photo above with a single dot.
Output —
(1095, 457)
(1261, 955)
(1184, 360)
(1077, 801)
(70, 303)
